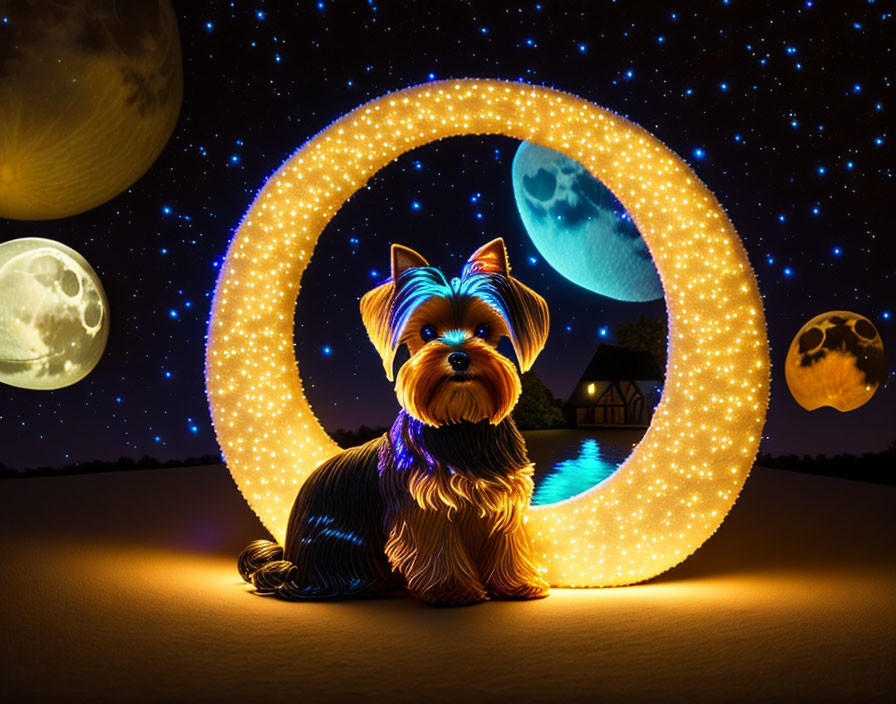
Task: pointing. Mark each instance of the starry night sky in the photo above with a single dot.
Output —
(782, 109)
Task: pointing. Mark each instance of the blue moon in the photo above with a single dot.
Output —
(580, 228)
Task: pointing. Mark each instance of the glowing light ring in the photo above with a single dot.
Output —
(679, 482)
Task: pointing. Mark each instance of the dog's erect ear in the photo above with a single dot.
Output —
(405, 258)
(376, 306)
(490, 258)
(524, 311)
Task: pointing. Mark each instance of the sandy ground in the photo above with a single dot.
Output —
(122, 587)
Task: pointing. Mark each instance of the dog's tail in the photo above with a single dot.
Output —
(261, 564)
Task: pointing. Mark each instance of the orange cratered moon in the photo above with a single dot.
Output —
(90, 91)
(836, 359)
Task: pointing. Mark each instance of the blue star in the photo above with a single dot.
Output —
(327, 351)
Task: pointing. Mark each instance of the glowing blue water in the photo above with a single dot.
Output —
(574, 476)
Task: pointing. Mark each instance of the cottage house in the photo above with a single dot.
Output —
(620, 388)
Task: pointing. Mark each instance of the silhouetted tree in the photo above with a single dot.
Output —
(537, 407)
(647, 334)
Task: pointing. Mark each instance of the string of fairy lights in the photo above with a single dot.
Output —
(681, 480)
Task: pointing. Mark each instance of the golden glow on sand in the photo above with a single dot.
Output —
(679, 482)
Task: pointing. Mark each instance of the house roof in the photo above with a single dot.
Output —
(612, 363)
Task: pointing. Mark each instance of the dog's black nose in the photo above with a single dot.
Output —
(459, 361)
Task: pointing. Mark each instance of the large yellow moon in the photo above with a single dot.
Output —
(679, 482)
(90, 91)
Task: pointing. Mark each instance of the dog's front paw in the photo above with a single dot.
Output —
(535, 588)
(453, 592)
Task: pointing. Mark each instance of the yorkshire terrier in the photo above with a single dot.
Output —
(436, 505)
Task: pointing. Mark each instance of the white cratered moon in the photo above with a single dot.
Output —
(54, 315)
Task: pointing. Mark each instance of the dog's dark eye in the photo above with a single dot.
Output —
(428, 332)
(483, 331)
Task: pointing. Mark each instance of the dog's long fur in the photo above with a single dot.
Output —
(436, 504)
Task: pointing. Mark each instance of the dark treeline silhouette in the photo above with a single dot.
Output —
(879, 467)
(122, 464)
(351, 438)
